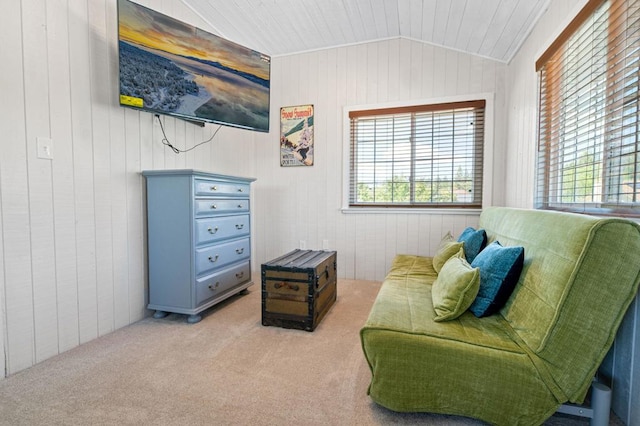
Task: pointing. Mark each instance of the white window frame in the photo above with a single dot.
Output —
(487, 169)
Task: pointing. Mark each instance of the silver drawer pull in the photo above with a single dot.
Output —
(213, 206)
(240, 190)
(240, 250)
(239, 206)
(214, 188)
(213, 259)
(214, 286)
(240, 226)
(212, 231)
(240, 275)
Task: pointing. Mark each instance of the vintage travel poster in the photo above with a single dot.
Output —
(296, 136)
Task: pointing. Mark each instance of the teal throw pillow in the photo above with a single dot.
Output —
(500, 269)
(474, 241)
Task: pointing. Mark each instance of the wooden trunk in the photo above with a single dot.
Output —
(298, 289)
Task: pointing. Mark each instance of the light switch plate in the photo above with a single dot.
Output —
(45, 148)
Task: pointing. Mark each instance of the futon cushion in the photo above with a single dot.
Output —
(500, 269)
(455, 288)
(474, 241)
(448, 247)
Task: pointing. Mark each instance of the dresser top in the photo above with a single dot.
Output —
(192, 172)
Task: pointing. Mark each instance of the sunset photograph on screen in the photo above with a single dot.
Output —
(170, 67)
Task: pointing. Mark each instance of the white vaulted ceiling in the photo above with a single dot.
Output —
(489, 28)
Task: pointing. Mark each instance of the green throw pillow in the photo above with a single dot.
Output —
(448, 247)
(455, 289)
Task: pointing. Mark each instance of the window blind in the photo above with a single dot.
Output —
(418, 156)
(589, 143)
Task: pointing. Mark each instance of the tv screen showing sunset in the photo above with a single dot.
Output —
(170, 67)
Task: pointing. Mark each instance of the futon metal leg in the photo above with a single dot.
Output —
(600, 406)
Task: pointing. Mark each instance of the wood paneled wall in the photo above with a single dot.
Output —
(296, 204)
(72, 240)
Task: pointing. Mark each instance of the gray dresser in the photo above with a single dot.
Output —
(199, 240)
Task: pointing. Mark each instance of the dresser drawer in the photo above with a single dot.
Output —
(219, 228)
(211, 187)
(216, 284)
(208, 207)
(219, 255)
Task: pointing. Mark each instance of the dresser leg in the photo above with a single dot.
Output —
(192, 319)
(160, 314)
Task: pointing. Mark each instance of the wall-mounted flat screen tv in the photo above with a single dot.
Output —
(170, 67)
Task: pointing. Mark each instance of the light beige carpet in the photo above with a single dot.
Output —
(227, 369)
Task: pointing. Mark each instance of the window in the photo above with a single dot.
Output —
(417, 156)
(589, 136)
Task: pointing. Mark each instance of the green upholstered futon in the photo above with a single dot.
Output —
(542, 349)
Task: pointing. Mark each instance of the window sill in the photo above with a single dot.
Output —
(408, 210)
(599, 212)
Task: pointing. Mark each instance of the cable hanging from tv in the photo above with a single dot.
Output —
(165, 140)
